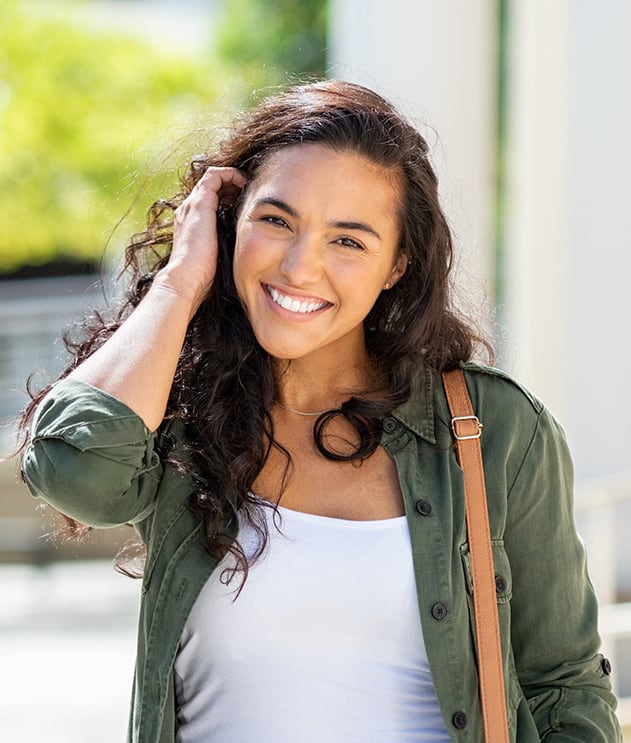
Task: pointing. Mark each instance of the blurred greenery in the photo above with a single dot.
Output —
(79, 108)
(83, 110)
(274, 41)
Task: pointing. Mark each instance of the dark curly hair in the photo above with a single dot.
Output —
(224, 386)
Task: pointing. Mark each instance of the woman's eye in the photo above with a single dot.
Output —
(278, 221)
(348, 242)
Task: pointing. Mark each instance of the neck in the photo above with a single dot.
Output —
(313, 388)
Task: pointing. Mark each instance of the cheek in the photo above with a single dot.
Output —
(363, 284)
(238, 268)
(247, 262)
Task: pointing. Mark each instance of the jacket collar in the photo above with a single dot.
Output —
(417, 413)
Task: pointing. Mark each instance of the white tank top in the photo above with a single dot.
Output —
(324, 642)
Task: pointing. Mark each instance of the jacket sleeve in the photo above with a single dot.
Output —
(91, 457)
(554, 611)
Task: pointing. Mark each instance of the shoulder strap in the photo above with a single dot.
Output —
(467, 430)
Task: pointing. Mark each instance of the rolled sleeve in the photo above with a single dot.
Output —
(554, 609)
(91, 457)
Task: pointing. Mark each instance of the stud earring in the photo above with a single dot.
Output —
(388, 286)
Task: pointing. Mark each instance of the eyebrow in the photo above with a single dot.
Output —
(271, 201)
(340, 225)
(361, 226)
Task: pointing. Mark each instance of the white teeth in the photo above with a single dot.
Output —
(294, 305)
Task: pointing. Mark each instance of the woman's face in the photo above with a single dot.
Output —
(316, 242)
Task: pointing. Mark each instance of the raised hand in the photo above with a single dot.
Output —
(193, 262)
(138, 362)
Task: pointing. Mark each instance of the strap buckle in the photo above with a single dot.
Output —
(462, 418)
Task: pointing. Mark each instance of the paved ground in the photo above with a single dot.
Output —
(67, 642)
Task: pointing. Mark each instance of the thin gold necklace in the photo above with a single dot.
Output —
(302, 412)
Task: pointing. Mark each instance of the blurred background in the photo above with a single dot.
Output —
(527, 111)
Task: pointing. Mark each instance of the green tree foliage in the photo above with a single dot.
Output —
(79, 109)
(273, 41)
(83, 110)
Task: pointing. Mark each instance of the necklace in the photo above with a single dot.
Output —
(308, 414)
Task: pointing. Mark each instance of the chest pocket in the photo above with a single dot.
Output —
(503, 592)
(501, 566)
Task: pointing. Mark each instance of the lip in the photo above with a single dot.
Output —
(310, 304)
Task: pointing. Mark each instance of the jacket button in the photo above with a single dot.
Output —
(439, 611)
(423, 507)
(500, 584)
(459, 720)
(389, 425)
(605, 664)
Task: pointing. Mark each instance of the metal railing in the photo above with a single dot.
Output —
(603, 508)
(33, 315)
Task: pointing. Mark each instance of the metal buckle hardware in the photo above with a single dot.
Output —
(473, 418)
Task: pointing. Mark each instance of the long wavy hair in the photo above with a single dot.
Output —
(225, 385)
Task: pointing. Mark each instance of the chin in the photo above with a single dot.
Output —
(283, 351)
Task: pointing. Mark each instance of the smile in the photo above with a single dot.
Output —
(291, 304)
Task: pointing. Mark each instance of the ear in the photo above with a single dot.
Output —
(398, 270)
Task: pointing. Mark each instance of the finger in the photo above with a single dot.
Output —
(222, 180)
(218, 186)
(228, 194)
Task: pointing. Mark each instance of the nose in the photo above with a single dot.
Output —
(302, 262)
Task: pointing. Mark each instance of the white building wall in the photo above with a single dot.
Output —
(436, 60)
(569, 221)
(600, 235)
(566, 301)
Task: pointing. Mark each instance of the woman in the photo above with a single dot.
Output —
(268, 412)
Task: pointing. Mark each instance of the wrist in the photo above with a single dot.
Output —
(182, 286)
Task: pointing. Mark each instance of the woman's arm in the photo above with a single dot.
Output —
(91, 457)
(92, 452)
(553, 608)
(137, 364)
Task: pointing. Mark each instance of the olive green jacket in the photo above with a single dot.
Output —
(93, 459)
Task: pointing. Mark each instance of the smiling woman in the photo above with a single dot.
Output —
(317, 241)
(267, 409)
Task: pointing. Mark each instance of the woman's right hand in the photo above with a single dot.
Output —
(138, 362)
(193, 261)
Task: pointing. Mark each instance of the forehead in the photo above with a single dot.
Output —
(345, 177)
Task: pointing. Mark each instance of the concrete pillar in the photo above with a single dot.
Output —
(437, 61)
(535, 305)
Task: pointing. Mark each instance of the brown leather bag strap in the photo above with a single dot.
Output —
(467, 429)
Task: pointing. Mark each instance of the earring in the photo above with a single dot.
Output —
(388, 286)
